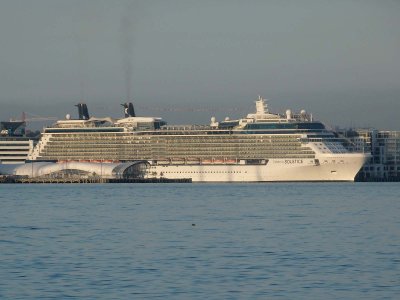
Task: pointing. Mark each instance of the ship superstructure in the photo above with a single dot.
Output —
(263, 146)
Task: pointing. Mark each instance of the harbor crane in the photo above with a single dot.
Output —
(28, 117)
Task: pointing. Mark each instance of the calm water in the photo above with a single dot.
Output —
(200, 241)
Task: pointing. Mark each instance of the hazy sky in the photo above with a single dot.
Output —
(336, 59)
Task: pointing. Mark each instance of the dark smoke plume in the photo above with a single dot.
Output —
(127, 49)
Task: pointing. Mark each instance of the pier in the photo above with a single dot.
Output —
(16, 179)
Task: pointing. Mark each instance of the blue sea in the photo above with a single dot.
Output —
(200, 241)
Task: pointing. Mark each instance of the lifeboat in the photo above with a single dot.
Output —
(178, 161)
(193, 161)
(206, 161)
(230, 161)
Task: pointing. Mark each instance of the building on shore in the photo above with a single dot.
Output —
(14, 144)
(384, 146)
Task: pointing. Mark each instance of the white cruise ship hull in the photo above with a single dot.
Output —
(258, 148)
(325, 168)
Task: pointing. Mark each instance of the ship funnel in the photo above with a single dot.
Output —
(129, 110)
(83, 111)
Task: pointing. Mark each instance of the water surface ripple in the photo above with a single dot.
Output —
(200, 241)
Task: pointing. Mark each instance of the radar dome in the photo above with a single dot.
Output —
(227, 119)
(213, 119)
(302, 112)
(68, 116)
(288, 114)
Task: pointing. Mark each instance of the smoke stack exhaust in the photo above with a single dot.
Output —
(83, 111)
(129, 111)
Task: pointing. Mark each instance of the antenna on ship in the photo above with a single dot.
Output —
(83, 111)
(261, 106)
(129, 111)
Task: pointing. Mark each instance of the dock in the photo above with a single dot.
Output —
(20, 180)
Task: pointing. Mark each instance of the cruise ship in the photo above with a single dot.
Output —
(261, 147)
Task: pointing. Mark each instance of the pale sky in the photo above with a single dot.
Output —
(188, 60)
